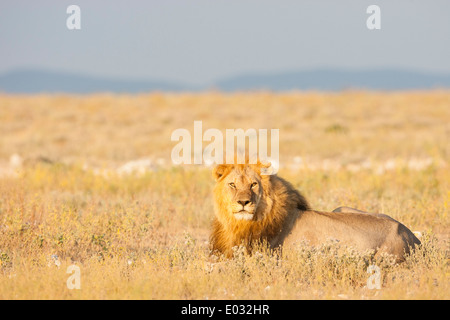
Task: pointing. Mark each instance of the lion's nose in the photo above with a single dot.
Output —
(243, 202)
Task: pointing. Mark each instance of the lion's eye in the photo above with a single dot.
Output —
(231, 184)
(254, 184)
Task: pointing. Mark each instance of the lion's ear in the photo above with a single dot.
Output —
(219, 171)
(266, 168)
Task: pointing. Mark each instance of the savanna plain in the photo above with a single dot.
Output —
(88, 181)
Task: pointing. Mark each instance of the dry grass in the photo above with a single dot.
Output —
(144, 236)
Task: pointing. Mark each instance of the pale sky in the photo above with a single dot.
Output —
(200, 41)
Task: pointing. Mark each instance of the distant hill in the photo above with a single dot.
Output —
(37, 81)
(333, 80)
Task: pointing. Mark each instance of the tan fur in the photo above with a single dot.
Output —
(253, 208)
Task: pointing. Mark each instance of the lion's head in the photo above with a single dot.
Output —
(249, 205)
(240, 191)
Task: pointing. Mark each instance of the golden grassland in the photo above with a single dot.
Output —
(145, 236)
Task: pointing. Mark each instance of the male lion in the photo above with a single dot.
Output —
(251, 207)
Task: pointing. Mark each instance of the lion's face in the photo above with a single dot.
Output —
(244, 193)
(240, 189)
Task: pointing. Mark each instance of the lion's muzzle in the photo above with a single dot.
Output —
(243, 210)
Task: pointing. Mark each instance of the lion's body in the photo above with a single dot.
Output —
(363, 231)
(280, 215)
